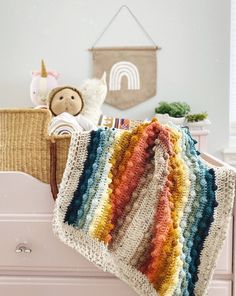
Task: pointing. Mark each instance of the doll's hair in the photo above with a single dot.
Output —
(56, 90)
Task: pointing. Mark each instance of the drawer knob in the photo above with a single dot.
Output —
(21, 248)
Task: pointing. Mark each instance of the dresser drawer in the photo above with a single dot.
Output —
(39, 286)
(220, 288)
(23, 194)
(48, 253)
(224, 263)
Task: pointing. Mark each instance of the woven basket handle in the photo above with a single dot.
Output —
(53, 169)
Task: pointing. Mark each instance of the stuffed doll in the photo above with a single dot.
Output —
(66, 104)
(42, 83)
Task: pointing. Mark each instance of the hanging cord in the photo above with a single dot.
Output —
(136, 20)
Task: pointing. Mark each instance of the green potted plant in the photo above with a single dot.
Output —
(174, 112)
(196, 117)
(197, 120)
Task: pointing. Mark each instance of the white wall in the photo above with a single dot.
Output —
(193, 64)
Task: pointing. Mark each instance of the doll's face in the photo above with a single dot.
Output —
(66, 100)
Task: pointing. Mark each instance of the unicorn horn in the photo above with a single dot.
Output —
(43, 70)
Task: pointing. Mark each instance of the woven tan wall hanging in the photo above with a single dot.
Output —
(131, 71)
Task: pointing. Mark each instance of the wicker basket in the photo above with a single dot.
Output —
(25, 143)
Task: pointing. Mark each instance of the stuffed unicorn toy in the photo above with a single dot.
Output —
(42, 83)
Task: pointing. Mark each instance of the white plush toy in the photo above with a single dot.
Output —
(94, 92)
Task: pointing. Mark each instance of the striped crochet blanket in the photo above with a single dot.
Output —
(144, 206)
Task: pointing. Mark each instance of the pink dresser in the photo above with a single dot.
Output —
(35, 263)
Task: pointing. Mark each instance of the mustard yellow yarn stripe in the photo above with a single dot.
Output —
(180, 179)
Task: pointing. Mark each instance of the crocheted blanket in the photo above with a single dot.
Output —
(144, 206)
